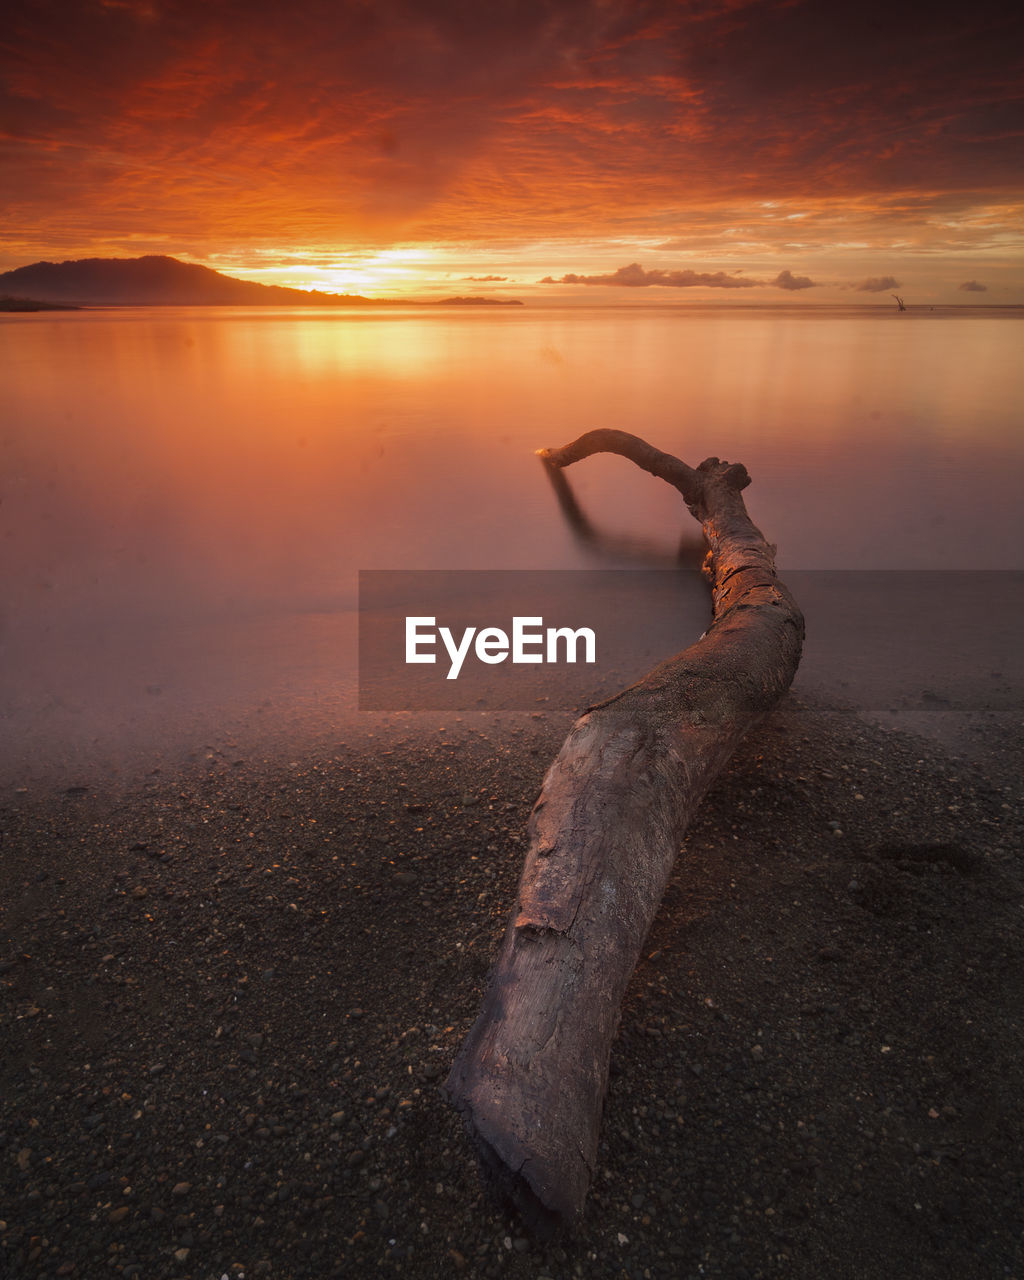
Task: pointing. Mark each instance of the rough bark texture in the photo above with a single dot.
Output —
(531, 1077)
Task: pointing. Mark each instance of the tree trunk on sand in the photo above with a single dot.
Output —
(531, 1077)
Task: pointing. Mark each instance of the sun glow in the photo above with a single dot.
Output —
(382, 273)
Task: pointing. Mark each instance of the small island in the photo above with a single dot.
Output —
(33, 304)
(477, 302)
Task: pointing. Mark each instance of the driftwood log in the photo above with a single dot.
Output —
(531, 1076)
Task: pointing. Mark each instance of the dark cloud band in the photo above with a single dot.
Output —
(636, 277)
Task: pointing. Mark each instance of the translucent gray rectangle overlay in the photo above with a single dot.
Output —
(879, 639)
(637, 619)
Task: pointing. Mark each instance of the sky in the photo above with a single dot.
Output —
(597, 151)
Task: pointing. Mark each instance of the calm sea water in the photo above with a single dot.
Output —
(187, 495)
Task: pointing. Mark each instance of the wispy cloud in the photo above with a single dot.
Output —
(878, 284)
(973, 286)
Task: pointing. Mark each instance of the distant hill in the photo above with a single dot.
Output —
(161, 281)
(153, 281)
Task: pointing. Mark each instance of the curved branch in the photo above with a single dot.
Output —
(530, 1078)
(607, 440)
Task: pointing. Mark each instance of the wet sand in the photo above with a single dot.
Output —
(232, 986)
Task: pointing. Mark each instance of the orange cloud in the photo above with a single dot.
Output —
(180, 126)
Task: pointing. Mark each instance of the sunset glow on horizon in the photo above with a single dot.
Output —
(590, 150)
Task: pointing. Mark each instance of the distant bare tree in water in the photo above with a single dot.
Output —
(899, 301)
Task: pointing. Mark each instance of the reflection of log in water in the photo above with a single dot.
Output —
(531, 1077)
(689, 553)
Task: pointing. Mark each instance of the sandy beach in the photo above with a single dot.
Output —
(231, 989)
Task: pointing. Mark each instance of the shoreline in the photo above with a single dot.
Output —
(231, 990)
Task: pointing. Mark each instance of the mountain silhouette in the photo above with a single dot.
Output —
(153, 281)
(165, 282)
